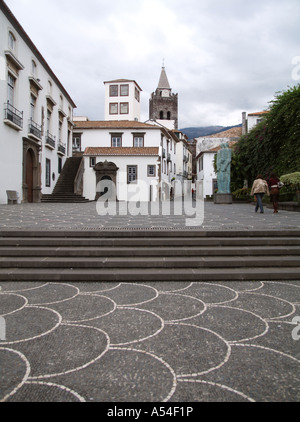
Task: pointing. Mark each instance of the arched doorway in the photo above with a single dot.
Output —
(106, 187)
(106, 179)
(31, 180)
(29, 174)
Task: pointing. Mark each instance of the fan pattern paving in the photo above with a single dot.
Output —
(149, 342)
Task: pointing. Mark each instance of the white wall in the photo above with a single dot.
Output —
(134, 105)
(11, 140)
(102, 137)
(207, 174)
(253, 121)
(124, 191)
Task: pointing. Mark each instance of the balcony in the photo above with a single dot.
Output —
(61, 148)
(34, 130)
(50, 140)
(13, 117)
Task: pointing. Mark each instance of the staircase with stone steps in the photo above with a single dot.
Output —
(149, 255)
(64, 188)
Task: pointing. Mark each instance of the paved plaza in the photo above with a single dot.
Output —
(53, 216)
(183, 342)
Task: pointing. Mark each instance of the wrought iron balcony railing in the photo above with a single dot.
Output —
(13, 115)
(34, 129)
(50, 139)
(61, 148)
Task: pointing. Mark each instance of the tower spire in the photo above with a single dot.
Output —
(163, 105)
(163, 80)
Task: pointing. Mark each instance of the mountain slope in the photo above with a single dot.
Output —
(197, 132)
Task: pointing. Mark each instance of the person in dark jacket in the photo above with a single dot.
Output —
(274, 184)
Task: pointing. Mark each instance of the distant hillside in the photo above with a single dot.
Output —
(197, 132)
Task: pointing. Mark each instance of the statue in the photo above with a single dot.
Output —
(223, 168)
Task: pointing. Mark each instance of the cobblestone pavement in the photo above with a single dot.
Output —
(84, 216)
(150, 342)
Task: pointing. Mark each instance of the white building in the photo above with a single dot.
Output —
(36, 120)
(207, 148)
(184, 157)
(140, 154)
(251, 120)
(122, 100)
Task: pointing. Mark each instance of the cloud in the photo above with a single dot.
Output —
(221, 57)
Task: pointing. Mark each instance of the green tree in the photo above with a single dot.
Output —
(274, 144)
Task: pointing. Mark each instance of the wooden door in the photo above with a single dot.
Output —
(29, 175)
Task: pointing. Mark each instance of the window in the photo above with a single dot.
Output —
(49, 115)
(113, 90)
(11, 41)
(32, 106)
(201, 164)
(116, 140)
(49, 87)
(131, 174)
(33, 69)
(76, 142)
(151, 171)
(92, 161)
(124, 108)
(11, 82)
(48, 172)
(161, 115)
(59, 165)
(59, 131)
(138, 141)
(113, 108)
(137, 94)
(124, 90)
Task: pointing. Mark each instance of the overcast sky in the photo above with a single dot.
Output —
(222, 57)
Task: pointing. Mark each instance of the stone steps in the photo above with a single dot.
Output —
(63, 191)
(91, 251)
(149, 255)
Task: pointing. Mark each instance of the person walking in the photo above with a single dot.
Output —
(259, 189)
(274, 184)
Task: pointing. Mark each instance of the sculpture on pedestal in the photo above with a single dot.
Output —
(223, 168)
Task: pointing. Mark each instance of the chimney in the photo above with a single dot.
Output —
(244, 123)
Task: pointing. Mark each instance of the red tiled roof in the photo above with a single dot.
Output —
(259, 113)
(121, 151)
(215, 149)
(113, 124)
(234, 132)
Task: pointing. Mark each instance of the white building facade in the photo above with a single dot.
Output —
(143, 156)
(36, 121)
(122, 100)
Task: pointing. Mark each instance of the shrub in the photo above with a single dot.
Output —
(291, 180)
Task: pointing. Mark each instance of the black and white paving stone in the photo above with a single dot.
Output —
(150, 342)
(84, 217)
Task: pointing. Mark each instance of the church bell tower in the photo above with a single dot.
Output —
(163, 105)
